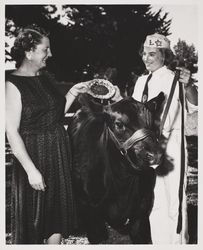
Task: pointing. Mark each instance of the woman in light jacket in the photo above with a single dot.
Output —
(165, 218)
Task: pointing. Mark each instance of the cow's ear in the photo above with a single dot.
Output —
(88, 102)
(155, 105)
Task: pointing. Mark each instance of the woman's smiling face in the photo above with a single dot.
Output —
(41, 53)
(152, 58)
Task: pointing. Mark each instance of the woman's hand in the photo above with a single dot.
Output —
(36, 180)
(190, 89)
(117, 96)
(79, 88)
(185, 76)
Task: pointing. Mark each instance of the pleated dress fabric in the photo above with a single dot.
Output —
(36, 215)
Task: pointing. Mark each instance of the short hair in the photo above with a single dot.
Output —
(28, 38)
(166, 53)
(168, 56)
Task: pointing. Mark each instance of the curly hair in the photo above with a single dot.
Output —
(27, 39)
(166, 53)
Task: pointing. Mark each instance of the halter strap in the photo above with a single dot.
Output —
(139, 135)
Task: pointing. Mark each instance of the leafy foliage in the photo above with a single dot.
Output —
(88, 39)
(186, 55)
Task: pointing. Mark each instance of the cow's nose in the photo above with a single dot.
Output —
(150, 157)
(160, 157)
(153, 158)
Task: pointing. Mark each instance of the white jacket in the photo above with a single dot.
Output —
(164, 215)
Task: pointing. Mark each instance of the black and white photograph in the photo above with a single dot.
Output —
(100, 135)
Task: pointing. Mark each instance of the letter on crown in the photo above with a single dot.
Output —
(157, 41)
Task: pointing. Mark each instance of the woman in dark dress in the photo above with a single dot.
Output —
(42, 198)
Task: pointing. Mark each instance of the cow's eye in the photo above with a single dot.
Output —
(119, 126)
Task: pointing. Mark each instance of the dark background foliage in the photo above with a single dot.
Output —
(100, 37)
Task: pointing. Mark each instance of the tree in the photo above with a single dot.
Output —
(86, 38)
(186, 55)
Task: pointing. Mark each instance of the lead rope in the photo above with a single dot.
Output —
(182, 168)
(175, 79)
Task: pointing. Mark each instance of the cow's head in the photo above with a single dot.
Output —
(134, 125)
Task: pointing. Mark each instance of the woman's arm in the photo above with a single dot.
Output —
(190, 89)
(117, 96)
(74, 92)
(191, 94)
(13, 117)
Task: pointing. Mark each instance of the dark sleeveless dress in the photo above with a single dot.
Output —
(36, 215)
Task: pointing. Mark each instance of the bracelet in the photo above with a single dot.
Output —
(72, 94)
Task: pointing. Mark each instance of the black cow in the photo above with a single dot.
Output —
(113, 148)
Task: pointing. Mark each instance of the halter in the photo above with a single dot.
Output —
(137, 136)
